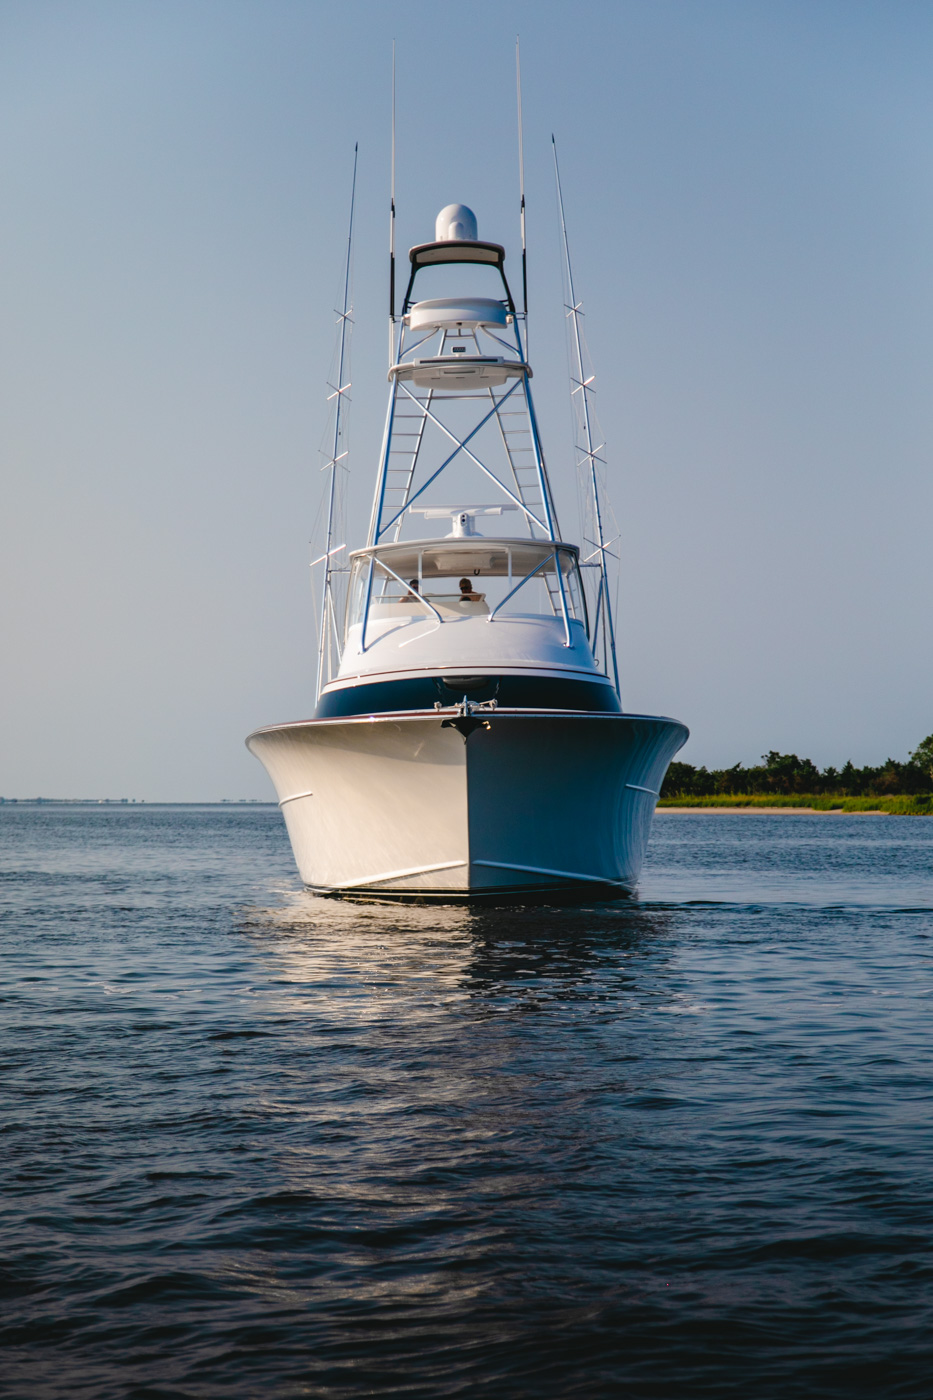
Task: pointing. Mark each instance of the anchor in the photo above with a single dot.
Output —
(467, 720)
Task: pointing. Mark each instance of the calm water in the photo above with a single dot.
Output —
(256, 1143)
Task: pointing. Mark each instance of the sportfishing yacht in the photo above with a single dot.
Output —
(468, 739)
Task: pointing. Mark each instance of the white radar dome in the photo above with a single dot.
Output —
(455, 221)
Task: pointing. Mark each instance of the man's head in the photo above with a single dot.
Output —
(466, 586)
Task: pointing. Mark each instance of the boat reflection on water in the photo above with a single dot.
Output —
(422, 961)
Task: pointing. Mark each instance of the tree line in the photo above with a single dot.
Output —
(785, 773)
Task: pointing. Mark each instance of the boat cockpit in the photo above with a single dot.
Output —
(470, 577)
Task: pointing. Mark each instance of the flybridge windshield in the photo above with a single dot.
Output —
(490, 558)
(457, 578)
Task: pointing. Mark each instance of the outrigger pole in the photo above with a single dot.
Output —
(344, 322)
(588, 454)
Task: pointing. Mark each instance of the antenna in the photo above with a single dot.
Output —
(521, 181)
(580, 395)
(392, 213)
(336, 457)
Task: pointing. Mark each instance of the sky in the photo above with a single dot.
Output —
(749, 192)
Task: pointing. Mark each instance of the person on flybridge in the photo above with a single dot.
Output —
(466, 592)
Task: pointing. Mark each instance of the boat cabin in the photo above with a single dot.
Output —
(467, 577)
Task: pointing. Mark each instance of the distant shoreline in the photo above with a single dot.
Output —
(746, 804)
(785, 811)
(132, 802)
(894, 806)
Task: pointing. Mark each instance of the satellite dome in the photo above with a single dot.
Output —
(455, 221)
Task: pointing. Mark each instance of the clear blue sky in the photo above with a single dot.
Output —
(750, 198)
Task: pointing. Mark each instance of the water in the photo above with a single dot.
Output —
(256, 1143)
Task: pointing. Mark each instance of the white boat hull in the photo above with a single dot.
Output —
(405, 804)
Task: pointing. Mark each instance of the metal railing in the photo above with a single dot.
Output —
(550, 558)
(415, 597)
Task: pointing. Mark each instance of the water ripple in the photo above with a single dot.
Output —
(261, 1143)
